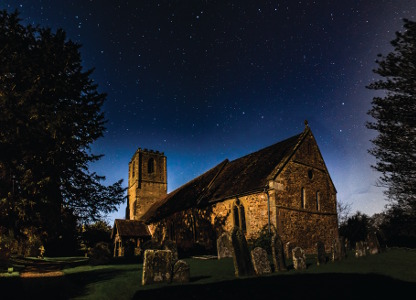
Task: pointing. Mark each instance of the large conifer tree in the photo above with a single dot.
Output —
(50, 113)
(394, 116)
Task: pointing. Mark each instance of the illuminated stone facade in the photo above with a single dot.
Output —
(286, 186)
(147, 182)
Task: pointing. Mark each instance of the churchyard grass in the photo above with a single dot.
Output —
(395, 269)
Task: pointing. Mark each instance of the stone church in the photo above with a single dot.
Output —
(285, 186)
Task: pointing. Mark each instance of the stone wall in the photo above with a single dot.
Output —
(301, 220)
(305, 220)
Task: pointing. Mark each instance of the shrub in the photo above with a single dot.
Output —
(99, 254)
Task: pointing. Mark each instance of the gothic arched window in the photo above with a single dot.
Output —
(150, 165)
(239, 215)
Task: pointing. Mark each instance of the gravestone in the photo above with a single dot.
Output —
(299, 258)
(181, 272)
(337, 252)
(360, 249)
(320, 253)
(372, 243)
(288, 249)
(157, 266)
(278, 253)
(224, 246)
(347, 244)
(241, 256)
(260, 261)
(171, 245)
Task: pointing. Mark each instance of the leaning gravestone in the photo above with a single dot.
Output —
(181, 272)
(299, 258)
(157, 266)
(372, 243)
(320, 253)
(224, 246)
(260, 261)
(171, 245)
(278, 253)
(360, 249)
(241, 256)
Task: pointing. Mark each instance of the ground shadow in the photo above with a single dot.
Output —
(310, 286)
(198, 278)
(62, 287)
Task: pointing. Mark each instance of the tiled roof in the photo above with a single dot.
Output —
(130, 228)
(248, 174)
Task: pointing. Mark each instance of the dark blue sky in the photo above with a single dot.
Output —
(207, 80)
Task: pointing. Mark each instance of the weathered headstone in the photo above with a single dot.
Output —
(278, 253)
(181, 272)
(320, 253)
(299, 258)
(360, 249)
(372, 243)
(171, 245)
(289, 246)
(337, 252)
(157, 266)
(347, 244)
(260, 261)
(224, 246)
(241, 256)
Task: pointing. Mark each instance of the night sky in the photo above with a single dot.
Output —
(207, 80)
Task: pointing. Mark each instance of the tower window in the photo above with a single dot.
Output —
(302, 198)
(151, 165)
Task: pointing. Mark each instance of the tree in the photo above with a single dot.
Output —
(343, 212)
(50, 114)
(355, 228)
(394, 116)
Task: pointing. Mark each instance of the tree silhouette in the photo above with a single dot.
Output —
(50, 113)
(395, 119)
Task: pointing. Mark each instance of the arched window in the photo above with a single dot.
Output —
(242, 218)
(239, 215)
(318, 200)
(171, 231)
(236, 216)
(302, 198)
(150, 165)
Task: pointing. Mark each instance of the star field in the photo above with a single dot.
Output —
(207, 80)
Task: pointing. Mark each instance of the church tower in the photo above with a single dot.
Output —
(147, 182)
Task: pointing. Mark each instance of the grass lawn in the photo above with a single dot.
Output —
(387, 275)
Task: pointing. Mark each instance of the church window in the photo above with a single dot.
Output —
(242, 218)
(171, 231)
(318, 200)
(151, 166)
(310, 174)
(302, 198)
(239, 215)
(236, 216)
(132, 170)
